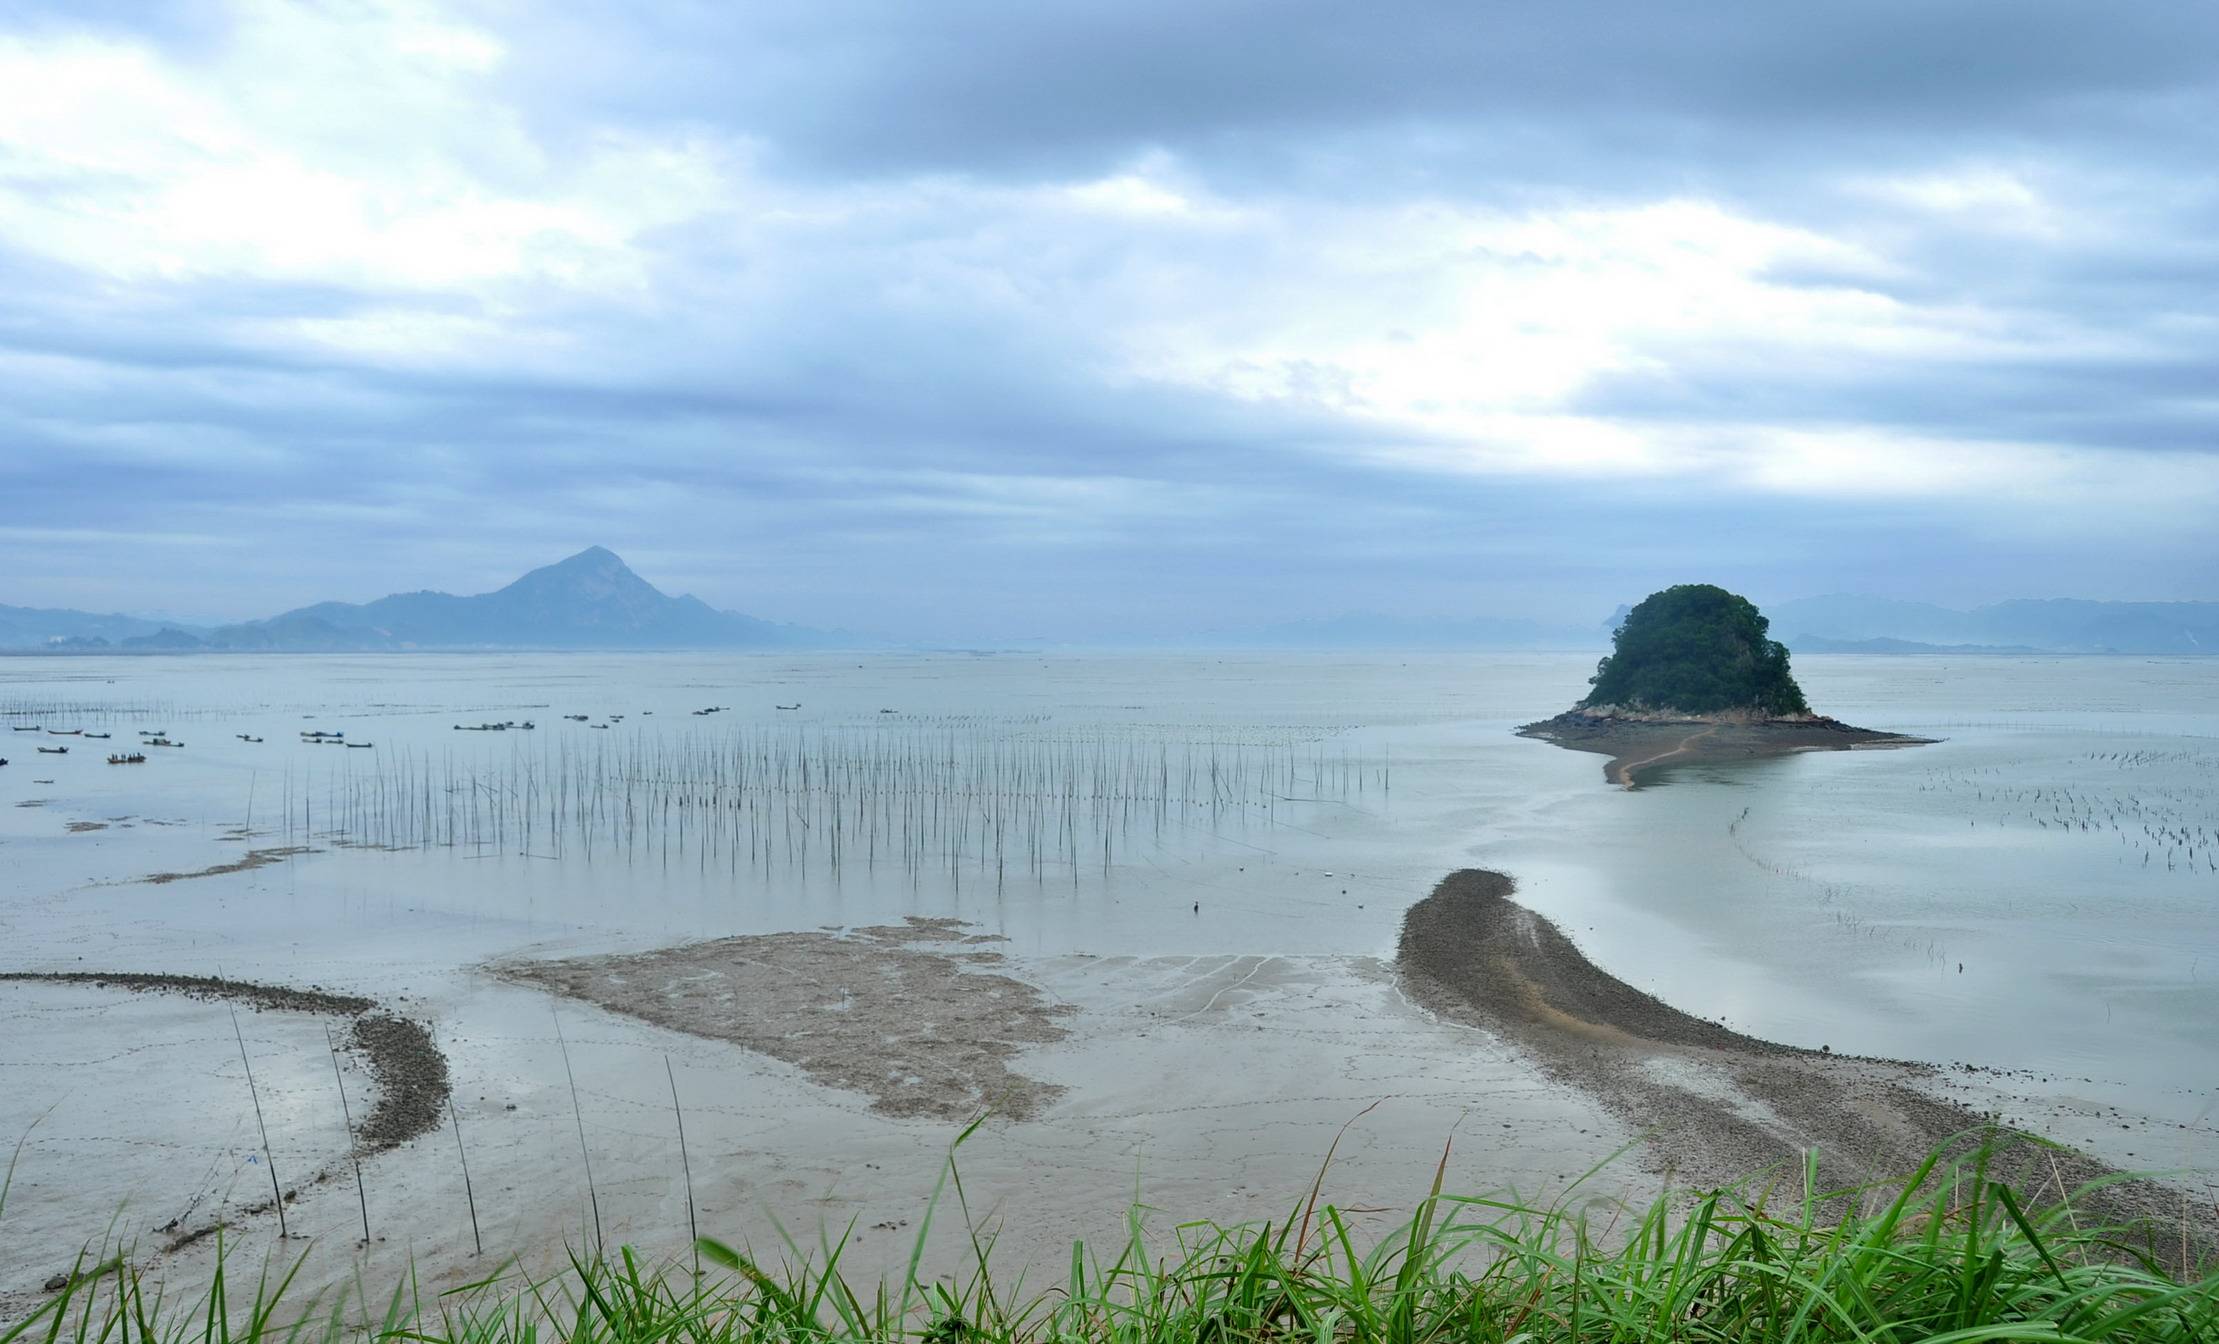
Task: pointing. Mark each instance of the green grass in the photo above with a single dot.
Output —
(1947, 1255)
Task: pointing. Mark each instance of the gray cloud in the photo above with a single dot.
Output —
(965, 320)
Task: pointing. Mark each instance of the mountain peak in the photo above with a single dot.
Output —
(595, 558)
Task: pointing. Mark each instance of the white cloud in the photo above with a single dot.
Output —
(344, 145)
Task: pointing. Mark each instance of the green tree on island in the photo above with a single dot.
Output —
(1697, 649)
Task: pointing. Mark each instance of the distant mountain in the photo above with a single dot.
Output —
(2047, 625)
(590, 601)
(46, 627)
(1367, 630)
(1821, 644)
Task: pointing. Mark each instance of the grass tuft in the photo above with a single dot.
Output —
(1946, 1256)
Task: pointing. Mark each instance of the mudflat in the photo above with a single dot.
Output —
(1639, 744)
(1717, 1105)
(903, 1013)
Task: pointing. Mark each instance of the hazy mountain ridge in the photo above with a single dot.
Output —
(35, 627)
(1369, 630)
(2045, 625)
(591, 600)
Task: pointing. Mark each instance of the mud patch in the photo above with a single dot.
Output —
(881, 1011)
(255, 858)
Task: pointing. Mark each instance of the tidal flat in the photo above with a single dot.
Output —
(1177, 885)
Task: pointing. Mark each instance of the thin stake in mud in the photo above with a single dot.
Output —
(593, 1196)
(685, 1164)
(277, 1196)
(354, 1149)
(467, 1192)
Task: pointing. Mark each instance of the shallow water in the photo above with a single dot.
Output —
(2054, 846)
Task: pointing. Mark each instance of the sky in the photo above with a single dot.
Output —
(1093, 321)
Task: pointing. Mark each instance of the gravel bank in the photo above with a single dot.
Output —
(1718, 1105)
(406, 1066)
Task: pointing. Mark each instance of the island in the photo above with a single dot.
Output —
(1694, 675)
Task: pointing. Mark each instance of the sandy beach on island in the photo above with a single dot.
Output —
(1642, 745)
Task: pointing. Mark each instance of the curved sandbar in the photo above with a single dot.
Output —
(406, 1066)
(1718, 1105)
(1640, 742)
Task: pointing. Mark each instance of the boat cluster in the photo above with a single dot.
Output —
(503, 726)
(127, 758)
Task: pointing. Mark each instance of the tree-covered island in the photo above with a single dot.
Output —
(1694, 674)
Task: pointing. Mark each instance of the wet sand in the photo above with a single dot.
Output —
(1636, 745)
(901, 1013)
(1716, 1105)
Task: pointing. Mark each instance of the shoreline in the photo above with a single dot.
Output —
(1716, 1105)
(1637, 744)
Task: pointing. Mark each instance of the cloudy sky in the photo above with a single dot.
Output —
(1133, 316)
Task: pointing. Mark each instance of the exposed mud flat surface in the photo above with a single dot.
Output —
(897, 1012)
(255, 858)
(1720, 1105)
(1638, 744)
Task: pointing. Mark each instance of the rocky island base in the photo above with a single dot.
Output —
(1636, 742)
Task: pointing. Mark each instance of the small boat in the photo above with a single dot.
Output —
(154, 732)
(577, 718)
(135, 758)
(54, 751)
(889, 711)
(63, 732)
(102, 736)
(527, 725)
(3, 760)
(319, 734)
(597, 725)
(362, 745)
(248, 737)
(795, 705)
(26, 728)
(162, 742)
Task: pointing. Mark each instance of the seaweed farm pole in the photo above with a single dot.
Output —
(685, 1164)
(467, 1192)
(277, 1196)
(592, 1196)
(354, 1150)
